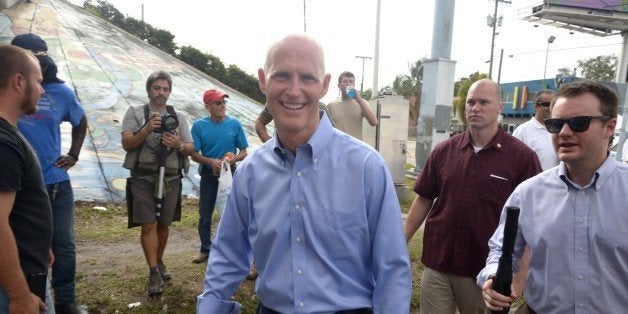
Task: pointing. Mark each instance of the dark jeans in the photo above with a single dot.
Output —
(261, 309)
(207, 200)
(64, 267)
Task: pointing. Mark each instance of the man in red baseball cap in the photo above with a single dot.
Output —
(215, 136)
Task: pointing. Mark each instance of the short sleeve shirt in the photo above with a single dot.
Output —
(469, 189)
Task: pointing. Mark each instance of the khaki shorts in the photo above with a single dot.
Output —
(144, 201)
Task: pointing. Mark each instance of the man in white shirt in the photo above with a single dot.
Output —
(534, 134)
(624, 154)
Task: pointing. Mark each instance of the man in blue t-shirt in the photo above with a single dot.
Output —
(42, 131)
(214, 136)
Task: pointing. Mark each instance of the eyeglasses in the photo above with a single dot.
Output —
(576, 124)
(544, 104)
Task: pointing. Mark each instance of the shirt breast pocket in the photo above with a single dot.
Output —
(339, 234)
(613, 248)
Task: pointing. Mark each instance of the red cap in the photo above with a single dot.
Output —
(213, 95)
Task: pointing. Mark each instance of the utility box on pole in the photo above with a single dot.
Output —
(393, 137)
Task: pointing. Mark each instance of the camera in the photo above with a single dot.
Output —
(169, 123)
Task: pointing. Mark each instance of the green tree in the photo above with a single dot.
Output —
(565, 71)
(105, 10)
(244, 83)
(163, 40)
(461, 88)
(367, 94)
(600, 68)
(194, 57)
(217, 70)
(410, 86)
(138, 28)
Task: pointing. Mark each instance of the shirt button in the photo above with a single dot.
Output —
(580, 278)
(299, 174)
(580, 305)
(299, 271)
(580, 249)
(297, 206)
(298, 239)
(301, 304)
(582, 193)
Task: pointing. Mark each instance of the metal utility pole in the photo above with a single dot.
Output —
(376, 54)
(494, 25)
(362, 83)
(304, 25)
(499, 72)
(434, 121)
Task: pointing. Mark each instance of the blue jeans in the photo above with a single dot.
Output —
(4, 300)
(207, 200)
(64, 267)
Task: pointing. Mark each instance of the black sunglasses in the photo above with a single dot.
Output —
(576, 124)
(544, 104)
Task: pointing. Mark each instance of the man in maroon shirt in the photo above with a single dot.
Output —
(461, 192)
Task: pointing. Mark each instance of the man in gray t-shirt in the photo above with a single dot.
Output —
(346, 113)
(144, 141)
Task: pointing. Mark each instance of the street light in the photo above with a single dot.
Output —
(362, 83)
(549, 41)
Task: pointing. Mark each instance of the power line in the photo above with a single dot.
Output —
(561, 49)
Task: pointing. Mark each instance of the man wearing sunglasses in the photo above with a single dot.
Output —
(573, 216)
(534, 134)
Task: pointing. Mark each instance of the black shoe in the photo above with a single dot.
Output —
(202, 257)
(155, 283)
(71, 308)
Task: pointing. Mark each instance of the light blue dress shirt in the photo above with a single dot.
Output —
(325, 229)
(579, 241)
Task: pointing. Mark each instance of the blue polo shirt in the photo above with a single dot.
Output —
(214, 140)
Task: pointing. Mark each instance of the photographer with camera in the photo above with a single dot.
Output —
(157, 141)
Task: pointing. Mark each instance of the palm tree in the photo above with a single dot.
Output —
(409, 86)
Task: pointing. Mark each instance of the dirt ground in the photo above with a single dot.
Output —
(112, 271)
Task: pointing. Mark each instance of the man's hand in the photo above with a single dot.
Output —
(171, 140)
(216, 165)
(493, 300)
(154, 122)
(27, 303)
(65, 162)
(51, 258)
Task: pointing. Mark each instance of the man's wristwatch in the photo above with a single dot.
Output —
(181, 146)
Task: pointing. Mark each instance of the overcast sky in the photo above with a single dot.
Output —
(240, 31)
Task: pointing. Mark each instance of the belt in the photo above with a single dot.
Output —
(262, 309)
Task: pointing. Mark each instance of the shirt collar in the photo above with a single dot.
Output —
(495, 143)
(316, 144)
(537, 124)
(601, 176)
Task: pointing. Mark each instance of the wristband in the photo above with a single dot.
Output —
(181, 147)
